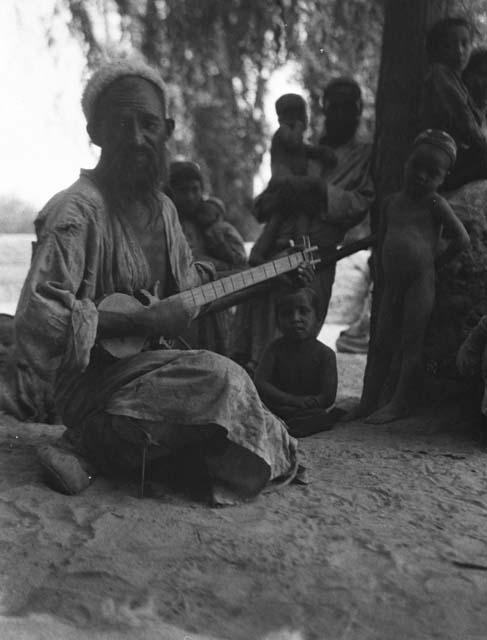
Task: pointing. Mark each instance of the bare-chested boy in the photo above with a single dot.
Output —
(297, 375)
(413, 220)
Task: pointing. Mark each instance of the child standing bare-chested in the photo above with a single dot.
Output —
(413, 221)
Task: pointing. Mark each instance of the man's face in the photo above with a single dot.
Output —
(132, 133)
(342, 118)
(187, 196)
(426, 170)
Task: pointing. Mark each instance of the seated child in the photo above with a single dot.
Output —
(297, 375)
(291, 158)
(412, 222)
(223, 242)
(447, 104)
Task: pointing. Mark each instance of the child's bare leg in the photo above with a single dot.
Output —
(418, 304)
(380, 356)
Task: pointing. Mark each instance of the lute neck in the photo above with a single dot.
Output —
(230, 284)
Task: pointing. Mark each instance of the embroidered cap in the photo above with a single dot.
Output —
(111, 71)
(439, 139)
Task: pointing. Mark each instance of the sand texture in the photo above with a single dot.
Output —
(387, 542)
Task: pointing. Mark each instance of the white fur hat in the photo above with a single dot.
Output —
(111, 71)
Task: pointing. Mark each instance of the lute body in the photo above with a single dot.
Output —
(196, 298)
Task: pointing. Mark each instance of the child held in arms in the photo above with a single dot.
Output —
(447, 103)
(291, 158)
(412, 222)
(223, 241)
(297, 375)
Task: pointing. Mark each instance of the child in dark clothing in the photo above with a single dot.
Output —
(447, 104)
(291, 158)
(412, 223)
(297, 375)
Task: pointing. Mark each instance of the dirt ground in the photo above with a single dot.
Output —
(387, 542)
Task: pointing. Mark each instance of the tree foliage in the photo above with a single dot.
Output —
(339, 38)
(217, 57)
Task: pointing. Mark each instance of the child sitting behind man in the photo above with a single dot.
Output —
(291, 158)
(412, 222)
(223, 241)
(447, 103)
(297, 375)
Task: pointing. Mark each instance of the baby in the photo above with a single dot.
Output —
(412, 222)
(297, 375)
(223, 242)
(447, 103)
(291, 158)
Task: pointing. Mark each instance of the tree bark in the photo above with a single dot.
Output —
(401, 76)
(402, 70)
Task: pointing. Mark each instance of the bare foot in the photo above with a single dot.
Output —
(389, 413)
(357, 413)
(222, 496)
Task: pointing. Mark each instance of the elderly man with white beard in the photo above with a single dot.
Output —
(112, 231)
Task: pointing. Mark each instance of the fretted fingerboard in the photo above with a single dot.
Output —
(230, 284)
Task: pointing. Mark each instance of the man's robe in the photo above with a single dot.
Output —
(85, 252)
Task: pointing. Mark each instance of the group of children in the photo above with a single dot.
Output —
(297, 376)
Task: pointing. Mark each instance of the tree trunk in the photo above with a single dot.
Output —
(402, 72)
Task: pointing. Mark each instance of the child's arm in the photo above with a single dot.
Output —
(452, 227)
(323, 154)
(265, 242)
(328, 383)
(269, 393)
(328, 379)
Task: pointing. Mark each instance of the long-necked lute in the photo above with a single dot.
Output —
(198, 297)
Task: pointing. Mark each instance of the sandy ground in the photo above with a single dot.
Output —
(388, 541)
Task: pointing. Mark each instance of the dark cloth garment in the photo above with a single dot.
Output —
(290, 159)
(447, 105)
(298, 367)
(301, 369)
